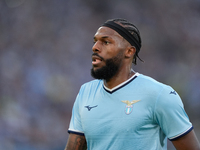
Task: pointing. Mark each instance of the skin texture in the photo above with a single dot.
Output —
(187, 142)
(76, 142)
(107, 44)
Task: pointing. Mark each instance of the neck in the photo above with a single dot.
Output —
(120, 77)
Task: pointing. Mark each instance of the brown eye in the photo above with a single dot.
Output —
(106, 42)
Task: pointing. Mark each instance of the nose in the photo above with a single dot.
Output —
(96, 47)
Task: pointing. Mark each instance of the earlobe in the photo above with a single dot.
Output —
(130, 52)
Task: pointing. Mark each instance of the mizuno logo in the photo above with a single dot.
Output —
(173, 92)
(89, 108)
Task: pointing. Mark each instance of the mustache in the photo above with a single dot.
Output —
(96, 54)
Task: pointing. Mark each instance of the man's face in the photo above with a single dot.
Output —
(108, 53)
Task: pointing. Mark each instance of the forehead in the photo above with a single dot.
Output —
(106, 32)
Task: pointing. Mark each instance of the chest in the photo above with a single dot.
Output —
(113, 114)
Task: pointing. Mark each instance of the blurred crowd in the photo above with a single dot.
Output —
(45, 56)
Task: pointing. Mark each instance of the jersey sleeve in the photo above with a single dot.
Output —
(75, 122)
(170, 114)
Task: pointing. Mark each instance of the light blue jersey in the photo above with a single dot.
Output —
(138, 114)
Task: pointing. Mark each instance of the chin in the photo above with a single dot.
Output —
(95, 67)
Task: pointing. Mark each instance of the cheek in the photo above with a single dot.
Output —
(122, 44)
(110, 53)
(113, 50)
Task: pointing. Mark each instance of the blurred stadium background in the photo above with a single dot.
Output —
(45, 56)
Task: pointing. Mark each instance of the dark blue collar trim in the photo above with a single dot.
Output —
(121, 86)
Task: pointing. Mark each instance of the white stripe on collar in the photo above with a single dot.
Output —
(121, 84)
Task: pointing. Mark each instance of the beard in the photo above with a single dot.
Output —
(109, 70)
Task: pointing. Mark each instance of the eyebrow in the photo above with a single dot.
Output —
(103, 37)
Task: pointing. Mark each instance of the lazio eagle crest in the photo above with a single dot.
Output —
(129, 106)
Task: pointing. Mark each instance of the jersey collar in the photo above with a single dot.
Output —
(121, 85)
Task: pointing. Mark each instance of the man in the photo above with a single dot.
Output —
(122, 109)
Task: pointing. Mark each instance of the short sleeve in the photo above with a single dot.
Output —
(75, 123)
(170, 114)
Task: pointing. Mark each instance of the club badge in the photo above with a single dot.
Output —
(129, 106)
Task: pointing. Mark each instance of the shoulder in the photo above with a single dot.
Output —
(91, 86)
(152, 85)
(149, 80)
(164, 95)
(88, 89)
(92, 83)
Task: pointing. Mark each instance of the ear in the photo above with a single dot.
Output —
(130, 52)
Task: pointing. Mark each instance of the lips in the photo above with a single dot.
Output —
(96, 59)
